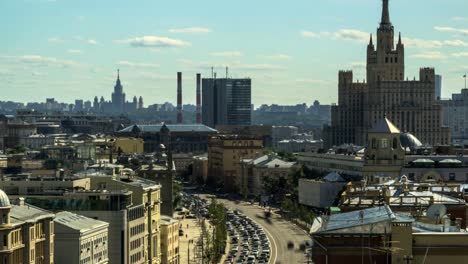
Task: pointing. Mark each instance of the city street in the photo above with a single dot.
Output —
(279, 230)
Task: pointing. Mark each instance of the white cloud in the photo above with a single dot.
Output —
(190, 30)
(312, 81)
(226, 53)
(37, 60)
(358, 64)
(460, 54)
(92, 42)
(353, 35)
(309, 34)
(55, 40)
(275, 57)
(154, 41)
(460, 18)
(156, 76)
(137, 64)
(75, 51)
(433, 55)
(257, 67)
(463, 32)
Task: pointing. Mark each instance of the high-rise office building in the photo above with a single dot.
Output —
(226, 101)
(411, 104)
(438, 86)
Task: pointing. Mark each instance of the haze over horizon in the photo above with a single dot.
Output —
(292, 50)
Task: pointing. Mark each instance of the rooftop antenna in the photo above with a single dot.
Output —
(212, 72)
(227, 71)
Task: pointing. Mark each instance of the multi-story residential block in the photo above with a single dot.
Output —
(410, 104)
(26, 233)
(169, 240)
(225, 153)
(80, 239)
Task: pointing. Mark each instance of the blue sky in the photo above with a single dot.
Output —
(292, 50)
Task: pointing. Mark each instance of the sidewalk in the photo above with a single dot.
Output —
(191, 233)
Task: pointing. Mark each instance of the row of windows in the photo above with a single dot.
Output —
(137, 229)
(135, 258)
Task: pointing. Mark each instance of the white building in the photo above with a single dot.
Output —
(80, 239)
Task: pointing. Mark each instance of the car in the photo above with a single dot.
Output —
(181, 232)
(290, 245)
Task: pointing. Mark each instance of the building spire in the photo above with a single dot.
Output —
(370, 40)
(385, 13)
(399, 38)
(118, 74)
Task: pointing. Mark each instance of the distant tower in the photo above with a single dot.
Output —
(179, 98)
(140, 103)
(96, 103)
(199, 114)
(118, 96)
(135, 103)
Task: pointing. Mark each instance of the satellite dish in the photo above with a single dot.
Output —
(436, 211)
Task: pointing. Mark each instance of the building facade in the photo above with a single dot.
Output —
(27, 233)
(455, 113)
(226, 101)
(169, 240)
(79, 239)
(411, 105)
(225, 153)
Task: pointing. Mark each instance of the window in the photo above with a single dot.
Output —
(452, 176)
(374, 143)
(384, 143)
(395, 143)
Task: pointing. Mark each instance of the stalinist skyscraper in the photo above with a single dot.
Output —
(409, 104)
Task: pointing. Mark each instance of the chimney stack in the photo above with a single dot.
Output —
(179, 98)
(199, 117)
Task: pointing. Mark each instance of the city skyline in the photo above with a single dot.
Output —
(282, 46)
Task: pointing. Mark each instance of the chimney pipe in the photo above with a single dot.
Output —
(179, 98)
(199, 117)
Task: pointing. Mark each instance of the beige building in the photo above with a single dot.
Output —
(410, 104)
(169, 240)
(200, 168)
(79, 239)
(254, 170)
(225, 153)
(128, 145)
(384, 154)
(131, 207)
(26, 233)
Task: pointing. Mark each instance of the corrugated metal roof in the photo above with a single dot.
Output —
(171, 127)
(358, 218)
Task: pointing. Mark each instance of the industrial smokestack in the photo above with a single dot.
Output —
(199, 117)
(179, 98)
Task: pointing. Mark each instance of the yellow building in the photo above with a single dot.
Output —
(148, 194)
(225, 153)
(26, 233)
(128, 145)
(169, 240)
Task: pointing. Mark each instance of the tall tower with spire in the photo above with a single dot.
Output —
(410, 104)
(386, 62)
(118, 96)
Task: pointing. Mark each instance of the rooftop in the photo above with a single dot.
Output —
(171, 127)
(78, 222)
(384, 126)
(28, 213)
